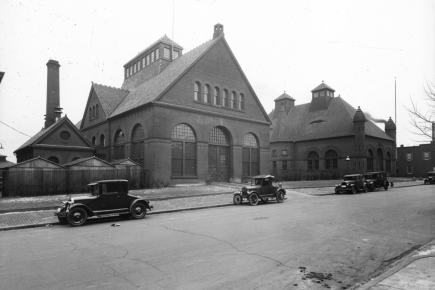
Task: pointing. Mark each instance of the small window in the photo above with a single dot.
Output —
(242, 102)
(284, 152)
(138, 65)
(94, 141)
(175, 54)
(148, 59)
(409, 169)
(157, 54)
(126, 73)
(143, 62)
(284, 165)
(96, 110)
(134, 68)
(316, 94)
(274, 153)
(166, 52)
(207, 94)
(233, 100)
(426, 155)
(274, 164)
(216, 96)
(225, 98)
(196, 91)
(322, 93)
(408, 156)
(152, 57)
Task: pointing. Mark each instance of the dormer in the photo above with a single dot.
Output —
(163, 50)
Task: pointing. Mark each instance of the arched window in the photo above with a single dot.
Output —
(207, 94)
(216, 96)
(225, 98)
(93, 111)
(102, 141)
(369, 159)
(218, 155)
(234, 100)
(242, 102)
(313, 161)
(379, 160)
(97, 111)
(53, 159)
(94, 141)
(388, 162)
(119, 145)
(138, 144)
(183, 151)
(331, 160)
(250, 156)
(196, 91)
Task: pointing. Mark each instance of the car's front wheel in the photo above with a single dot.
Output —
(353, 190)
(237, 199)
(280, 197)
(77, 216)
(386, 186)
(138, 211)
(253, 199)
(62, 220)
(366, 188)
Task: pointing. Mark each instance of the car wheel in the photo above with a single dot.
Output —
(366, 188)
(62, 220)
(372, 187)
(353, 190)
(280, 197)
(237, 199)
(77, 217)
(138, 211)
(253, 199)
(265, 200)
(386, 187)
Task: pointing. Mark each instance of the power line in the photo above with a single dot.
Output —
(15, 129)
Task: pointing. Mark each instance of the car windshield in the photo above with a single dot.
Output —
(350, 177)
(368, 176)
(256, 181)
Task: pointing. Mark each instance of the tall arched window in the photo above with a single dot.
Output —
(379, 160)
(218, 155)
(369, 159)
(234, 100)
(331, 160)
(388, 162)
(207, 94)
(225, 98)
(102, 141)
(250, 156)
(94, 141)
(138, 144)
(313, 161)
(183, 151)
(119, 145)
(97, 111)
(196, 91)
(53, 159)
(93, 111)
(242, 102)
(216, 96)
(90, 114)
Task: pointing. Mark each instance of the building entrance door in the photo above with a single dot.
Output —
(218, 163)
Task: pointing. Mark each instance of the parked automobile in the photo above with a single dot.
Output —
(430, 178)
(377, 179)
(106, 197)
(261, 188)
(351, 183)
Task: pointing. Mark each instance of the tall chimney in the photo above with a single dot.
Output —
(53, 98)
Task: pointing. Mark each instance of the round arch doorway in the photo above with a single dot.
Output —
(218, 155)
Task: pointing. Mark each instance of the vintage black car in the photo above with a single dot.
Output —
(430, 178)
(352, 183)
(261, 188)
(377, 179)
(106, 197)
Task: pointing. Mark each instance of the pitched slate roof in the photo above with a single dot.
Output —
(322, 86)
(152, 89)
(284, 96)
(164, 39)
(337, 121)
(109, 97)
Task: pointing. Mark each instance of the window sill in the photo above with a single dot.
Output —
(218, 106)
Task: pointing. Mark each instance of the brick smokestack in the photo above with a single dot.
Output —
(53, 94)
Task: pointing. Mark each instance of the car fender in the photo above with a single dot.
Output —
(386, 183)
(146, 203)
(85, 207)
(281, 190)
(249, 193)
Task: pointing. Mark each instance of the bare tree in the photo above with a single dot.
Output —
(422, 119)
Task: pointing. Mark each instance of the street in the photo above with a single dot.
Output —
(307, 242)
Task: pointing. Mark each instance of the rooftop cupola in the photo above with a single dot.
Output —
(390, 125)
(359, 116)
(218, 30)
(321, 96)
(285, 102)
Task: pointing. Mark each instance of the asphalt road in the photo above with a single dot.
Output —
(325, 242)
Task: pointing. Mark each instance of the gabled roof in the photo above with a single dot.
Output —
(35, 159)
(322, 86)
(152, 89)
(127, 160)
(284, 96)
(81, 160)
(109, 97)
(164, 39)
(337, 121)
(41, 134)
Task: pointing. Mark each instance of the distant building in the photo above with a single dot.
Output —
(184, 116)
(416, 161)
(317, 137)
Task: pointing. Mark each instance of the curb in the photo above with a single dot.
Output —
(113, 217)
(396, 266)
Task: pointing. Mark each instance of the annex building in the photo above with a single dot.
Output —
(315, 139)
(183, 116)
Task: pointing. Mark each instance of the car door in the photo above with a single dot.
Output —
(265, 187)
(112, 198)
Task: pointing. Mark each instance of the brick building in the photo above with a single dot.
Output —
(183, 116)
(314, 139)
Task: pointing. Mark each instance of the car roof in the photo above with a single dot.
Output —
(353, 175)
(263, 176)
(107, 181)
(373, 172)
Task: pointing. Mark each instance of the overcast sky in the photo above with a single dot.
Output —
(356, 47)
